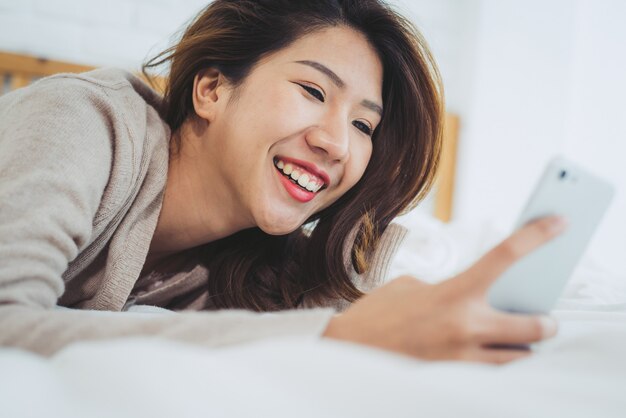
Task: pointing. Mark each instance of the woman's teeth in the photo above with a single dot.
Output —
(298, 175)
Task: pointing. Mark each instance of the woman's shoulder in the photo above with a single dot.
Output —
(109, 88)
(98, 79)
(104, 108)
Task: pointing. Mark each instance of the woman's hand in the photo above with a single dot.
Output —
(451, 320)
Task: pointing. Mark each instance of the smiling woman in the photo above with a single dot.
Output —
(289, 136)
(264, 113)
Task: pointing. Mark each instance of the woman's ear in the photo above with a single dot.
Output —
(208, 89)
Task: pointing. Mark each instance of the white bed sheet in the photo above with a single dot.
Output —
(579, 373)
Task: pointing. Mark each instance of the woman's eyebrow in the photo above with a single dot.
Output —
(372, 106)
(339, 82)
(327, 71)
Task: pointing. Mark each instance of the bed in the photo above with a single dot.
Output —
(579, 373)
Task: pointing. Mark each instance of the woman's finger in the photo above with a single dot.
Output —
(514, 329)
(494, 355)
(519, 244)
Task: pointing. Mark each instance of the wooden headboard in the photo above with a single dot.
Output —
(444, 192)
(19, 70)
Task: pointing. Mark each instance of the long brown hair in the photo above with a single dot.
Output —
(258, 271)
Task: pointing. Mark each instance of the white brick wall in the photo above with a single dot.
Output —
(123, 33)
(114, 32)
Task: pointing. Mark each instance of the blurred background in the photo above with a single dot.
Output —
(527, 79)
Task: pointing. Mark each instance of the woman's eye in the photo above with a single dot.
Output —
(363, 127)
(313, 92)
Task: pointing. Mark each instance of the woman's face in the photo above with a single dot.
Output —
(296, 135)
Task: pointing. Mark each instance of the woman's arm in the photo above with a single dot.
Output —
(56, 144)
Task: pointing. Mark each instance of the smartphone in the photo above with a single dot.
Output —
(534, 283)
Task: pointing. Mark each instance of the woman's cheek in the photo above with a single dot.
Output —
(291, 110)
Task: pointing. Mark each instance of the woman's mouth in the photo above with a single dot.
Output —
(300, 183)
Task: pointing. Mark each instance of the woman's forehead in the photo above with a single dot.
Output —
(342, 50)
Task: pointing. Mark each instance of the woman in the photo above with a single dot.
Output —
(277, 114)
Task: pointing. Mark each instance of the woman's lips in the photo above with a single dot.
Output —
(295, 191)
(310, 167)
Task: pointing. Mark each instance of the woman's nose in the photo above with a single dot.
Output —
(334, 144)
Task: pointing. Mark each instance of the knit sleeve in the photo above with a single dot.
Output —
(56, 150)
(55, 162)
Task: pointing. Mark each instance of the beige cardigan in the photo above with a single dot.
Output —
(83, 165)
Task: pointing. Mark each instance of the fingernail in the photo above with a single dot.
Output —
(558, 223)
(549, 326)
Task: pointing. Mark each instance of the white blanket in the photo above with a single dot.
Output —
(580, 373)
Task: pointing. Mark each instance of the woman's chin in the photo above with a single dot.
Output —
(280, 227)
